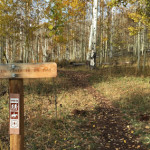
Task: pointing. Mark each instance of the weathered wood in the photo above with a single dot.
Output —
(39, 70)
(17, 141)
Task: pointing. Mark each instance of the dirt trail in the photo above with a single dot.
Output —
(116, 133)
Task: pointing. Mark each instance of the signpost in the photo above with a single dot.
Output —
(16, 73)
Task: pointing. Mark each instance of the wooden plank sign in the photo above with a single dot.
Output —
(14, 114)
(15, 73)
(22, 70)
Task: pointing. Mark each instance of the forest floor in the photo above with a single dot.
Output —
(83, 110)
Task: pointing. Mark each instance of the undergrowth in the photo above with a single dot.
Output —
(54, 125)
(131, 94)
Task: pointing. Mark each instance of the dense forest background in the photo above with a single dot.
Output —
(59, 30)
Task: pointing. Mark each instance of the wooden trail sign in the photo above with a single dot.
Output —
(39, 70)
(15, 73)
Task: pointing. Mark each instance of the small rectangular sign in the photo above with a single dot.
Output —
(22, 70)
(14, 114)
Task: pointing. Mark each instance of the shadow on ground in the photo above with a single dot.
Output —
(98, 129)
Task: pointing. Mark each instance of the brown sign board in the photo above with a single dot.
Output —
(28, 70)
(14, 114)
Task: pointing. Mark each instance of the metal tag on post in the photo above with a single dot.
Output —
(14, 114)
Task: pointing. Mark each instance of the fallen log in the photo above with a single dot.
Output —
(77, 64)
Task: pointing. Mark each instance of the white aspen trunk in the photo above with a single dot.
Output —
(81, 44)
(33, 57)
(103, 43)
(142, 42)
(84, 40)
(33, 52)
(7, 53)
(135, 45)
(53, 49)
(145, 47)
(21, 50)
(90, 39)
(128, 47)
(45, 50)
(112, 31)
(92, 45)
(69, 48)
(26, 60)
(67, 45)
(101, 31)
(106, 50)
(74, 49)
(1, 54)
(38, 49)
(13, 50)
(24, 52)
(21, 43)
(24, 55)
(59, 50)
(108, 34)
(139, 48)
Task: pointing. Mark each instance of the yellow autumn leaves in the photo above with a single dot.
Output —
(136, 17)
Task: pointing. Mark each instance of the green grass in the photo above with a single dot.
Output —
(3, 146)
(43, 131)
(131, 95)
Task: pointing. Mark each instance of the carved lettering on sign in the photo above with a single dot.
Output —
(27, 70)
(39, 70)
(3, 71)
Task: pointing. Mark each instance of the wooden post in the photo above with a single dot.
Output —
(16, 72)
(17, 140)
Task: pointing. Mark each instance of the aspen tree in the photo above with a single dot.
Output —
(93, 34)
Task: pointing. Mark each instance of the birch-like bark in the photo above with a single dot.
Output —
(73, 45)
(101, 51)
(93, 34)
(139, 48)
(1, 51)
(112, 32)
(7, 53)
(45, 50)
(145, 47)
(13, 50)
(24, 52)
(142, 42)
(135, 48)
(37, 48)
